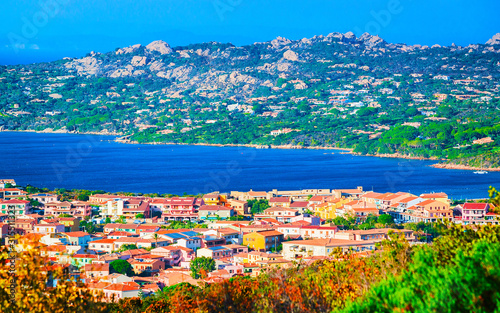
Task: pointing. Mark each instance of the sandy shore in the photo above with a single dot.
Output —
(464, 167)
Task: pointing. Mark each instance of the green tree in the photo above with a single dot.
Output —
(201, 266)
(156, 237)
(127, 247)
(83, 197)
(494, 196)
(472, 284)
(121, 267)
(88, 226)
(385, 219)
(258, 206)
(345, 223)
(35, 203)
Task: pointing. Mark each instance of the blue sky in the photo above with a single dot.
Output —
(46, 30)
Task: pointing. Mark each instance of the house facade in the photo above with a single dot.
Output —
(263, 240)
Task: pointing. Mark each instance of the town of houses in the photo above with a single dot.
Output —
(295, 228)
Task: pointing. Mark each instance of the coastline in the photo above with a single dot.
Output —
(45, 131)
(448, 166)
(120, 138)
(400, 156)
(349, 151)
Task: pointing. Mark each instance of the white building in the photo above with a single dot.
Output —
(322, 247)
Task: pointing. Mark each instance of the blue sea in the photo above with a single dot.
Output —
(97, 163)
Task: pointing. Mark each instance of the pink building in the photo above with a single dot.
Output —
(180, 209)
(121, 290)
(18, 207)
(281, 214)
(96, 270)
(133, 207)
(174, 255)
(75, 208)
(102, 245)
(44, 197)
(475, 213)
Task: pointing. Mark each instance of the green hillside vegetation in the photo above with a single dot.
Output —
(332, 92)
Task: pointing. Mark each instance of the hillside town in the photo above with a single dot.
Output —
(159, 238)
(338, 90)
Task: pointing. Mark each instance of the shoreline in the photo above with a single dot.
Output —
(448, 166)
(401, 156)
(119, 139)
(256, 146)
(60, 132)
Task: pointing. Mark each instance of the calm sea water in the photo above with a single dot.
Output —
(95, 162)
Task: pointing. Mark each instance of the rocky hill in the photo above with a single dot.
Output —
(230, 70)
(339, 90)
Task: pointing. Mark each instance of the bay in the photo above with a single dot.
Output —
(98, 163)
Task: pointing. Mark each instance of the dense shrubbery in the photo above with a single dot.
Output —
(459, 273)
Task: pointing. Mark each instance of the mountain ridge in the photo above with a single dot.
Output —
(337, 90)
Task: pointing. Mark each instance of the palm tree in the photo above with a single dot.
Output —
(155, 237)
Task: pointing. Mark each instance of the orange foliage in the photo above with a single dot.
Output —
(24, 276)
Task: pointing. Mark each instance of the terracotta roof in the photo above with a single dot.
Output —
(119, 233)
(103, 241)
(392, 197)
(77, 234)
(96, 267)
(299, 223)
(99, 285)
(266, 233)
(227, 231)
(274, 209)
(15, 201)
(354, 202)
(317, 198)
(408, 199)
(329, 242)
(364, 209)
(383, 196)
(214, 208)
(280, 199)
(129, 286)
(152, 287)
(87, 256)
(371, 194)
(134, 252)
(426, 202)
(434, 195)
(475, 206)
(257, 193)
(264, 254)
(299, 204)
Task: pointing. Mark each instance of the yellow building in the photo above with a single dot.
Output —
(70, 223)
(327, 210)
(263, 240)
(438, 196)
(214, 199)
